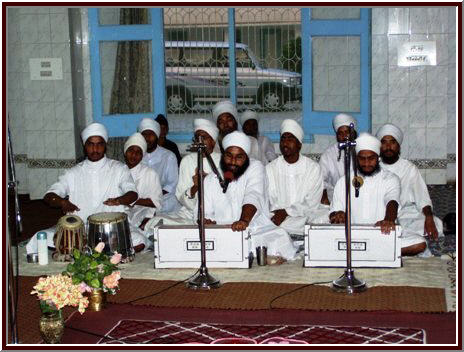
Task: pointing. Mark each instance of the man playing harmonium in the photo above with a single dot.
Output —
(415, 216)
(97, 184)
(295, 182)
(148, 188)
(244, 204)
(379, 195)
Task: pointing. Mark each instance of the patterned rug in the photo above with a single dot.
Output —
(171, 332)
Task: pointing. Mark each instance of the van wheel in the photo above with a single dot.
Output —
(178, 99)
(271, 98)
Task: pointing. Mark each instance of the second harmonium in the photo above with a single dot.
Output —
(179, 246)
(325, 246)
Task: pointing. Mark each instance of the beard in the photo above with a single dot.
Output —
(237, 172)
(391, 158)
(370, 173)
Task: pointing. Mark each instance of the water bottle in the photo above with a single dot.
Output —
(42, 248)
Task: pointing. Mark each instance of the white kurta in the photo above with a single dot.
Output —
(297, 188)
(255, 152)
(414, 197)
(267, 151)
(226, 208)
(374, 196)
(164, 162)
(332, 169)
(88, 185)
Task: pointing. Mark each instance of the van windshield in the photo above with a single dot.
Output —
(255, 60)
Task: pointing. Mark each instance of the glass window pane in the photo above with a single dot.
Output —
(336, 74)
(126, 77)
(115, 16)
(335, 13)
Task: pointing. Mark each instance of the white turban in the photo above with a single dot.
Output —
(248, 115)
(366, 141)
(138, 140)
(94, 129)
(343, 120)
(224, 106)
(149, 124)
(237, 139)
(390, 129)
(293, 127)
(207, 126)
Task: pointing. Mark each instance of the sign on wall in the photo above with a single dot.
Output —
(417, 54)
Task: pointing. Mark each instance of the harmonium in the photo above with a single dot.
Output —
(325, 246)
(179, 246)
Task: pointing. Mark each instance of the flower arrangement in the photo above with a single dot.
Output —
(58, 291)
(93, 269)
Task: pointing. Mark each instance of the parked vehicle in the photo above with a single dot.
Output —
(198, 71)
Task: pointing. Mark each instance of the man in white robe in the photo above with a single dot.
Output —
(415, 216)
(148, 187)
(95, 185)
(227, 120)
(332, 161)
(249, 120)
(295, 182)
(379, 196)
(244, 205)
(163, 161)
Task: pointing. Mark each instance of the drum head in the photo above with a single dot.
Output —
(107, 217)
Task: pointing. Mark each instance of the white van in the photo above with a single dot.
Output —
(199, 72)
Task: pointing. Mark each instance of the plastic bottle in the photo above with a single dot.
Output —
(42, 248)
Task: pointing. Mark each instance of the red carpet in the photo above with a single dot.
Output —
(120, 321)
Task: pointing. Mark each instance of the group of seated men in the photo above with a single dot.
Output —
(271, 196)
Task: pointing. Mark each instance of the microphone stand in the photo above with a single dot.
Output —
(348, 283)
(203, 280)
(12, 280)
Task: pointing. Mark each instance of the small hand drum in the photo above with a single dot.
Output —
(111, 228)
(69, 235)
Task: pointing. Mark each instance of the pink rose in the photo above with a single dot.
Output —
(83, 287)
(112, 280)
(99, 247)
(116, 258)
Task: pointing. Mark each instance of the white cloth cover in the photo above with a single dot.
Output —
(149, 124)
(293, 127)
(297, 188)
(222, 107)
(414, 197)
(343, 120)
(366, 141)
(390, 129)
(164, 162)
(94, 129)
(237, 139)
(138, 140)
(250, 188)
(266, 150)
(207, 126)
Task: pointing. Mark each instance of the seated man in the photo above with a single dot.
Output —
(226, 116)
(295, 182)
(332, 162)
(244, 205)
(163, 161)
(148, 187)
(163, 140)
(95, 185)
(415, 216)
(379, 196)
(249, 120)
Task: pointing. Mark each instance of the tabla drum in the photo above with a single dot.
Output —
(111, 228)
(69, 235)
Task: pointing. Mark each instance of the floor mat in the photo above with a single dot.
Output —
(171, 332)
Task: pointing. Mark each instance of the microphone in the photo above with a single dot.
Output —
(228, 177)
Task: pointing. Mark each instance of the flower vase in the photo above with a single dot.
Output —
(97, 300)
(51, 326)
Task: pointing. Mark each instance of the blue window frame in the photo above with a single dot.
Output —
(320, 122)
(314, 122)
